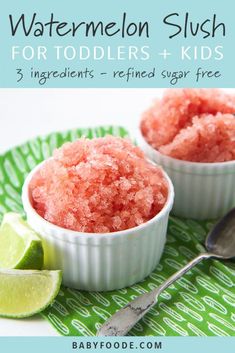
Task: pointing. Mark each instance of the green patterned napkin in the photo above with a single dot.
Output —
(201, 303)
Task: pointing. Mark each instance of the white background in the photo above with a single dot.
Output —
(26, 113)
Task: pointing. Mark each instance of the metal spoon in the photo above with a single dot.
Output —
(220, 243)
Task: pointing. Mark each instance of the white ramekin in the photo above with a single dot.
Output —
(101, 262)
(202, 190)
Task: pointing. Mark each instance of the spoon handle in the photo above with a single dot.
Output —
(124, 319)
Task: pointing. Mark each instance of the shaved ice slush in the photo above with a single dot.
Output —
(98, 186)
(195, 125)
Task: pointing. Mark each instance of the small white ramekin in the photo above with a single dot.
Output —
(101, 262)
(202, 190)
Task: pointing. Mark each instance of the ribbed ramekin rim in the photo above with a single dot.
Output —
(28, 208)
(180, 162)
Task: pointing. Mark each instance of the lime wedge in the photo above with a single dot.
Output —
(24, 293)
(20, 247)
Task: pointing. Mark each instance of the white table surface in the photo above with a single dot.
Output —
(26, 113)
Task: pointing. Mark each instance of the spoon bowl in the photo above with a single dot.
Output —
(221, 239)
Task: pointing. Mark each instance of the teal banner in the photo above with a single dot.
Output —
(117, 44)
(120, 344)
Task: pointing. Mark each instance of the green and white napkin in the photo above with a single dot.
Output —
(201, 303)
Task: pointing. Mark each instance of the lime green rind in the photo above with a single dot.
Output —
(33, 257)
(20, 246)
(56, 276)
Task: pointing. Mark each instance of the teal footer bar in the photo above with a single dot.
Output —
(113, 344)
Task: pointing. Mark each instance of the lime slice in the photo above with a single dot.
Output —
(24, 293)
(20, 247)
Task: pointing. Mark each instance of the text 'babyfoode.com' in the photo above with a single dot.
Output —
(117, 345)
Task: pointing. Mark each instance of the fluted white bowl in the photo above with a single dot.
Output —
(96, 261)
(202, 190)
